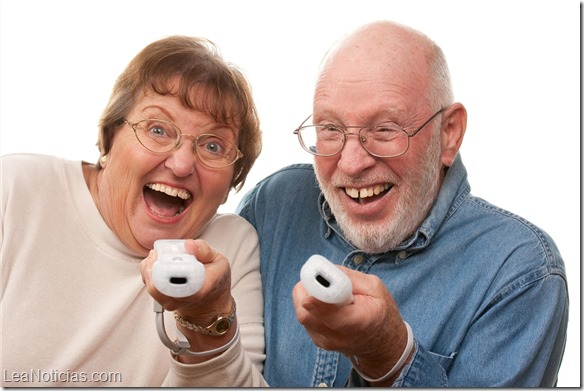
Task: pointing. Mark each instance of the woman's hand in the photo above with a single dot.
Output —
(213, 298)
(202, 308)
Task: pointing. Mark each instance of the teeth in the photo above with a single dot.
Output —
(171, 191)
(366, 192)
(179, 211)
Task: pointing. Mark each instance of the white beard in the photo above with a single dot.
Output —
(411, 209)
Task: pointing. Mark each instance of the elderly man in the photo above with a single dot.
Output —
(448, 289)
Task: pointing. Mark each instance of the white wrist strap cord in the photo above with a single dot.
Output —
(398, 364)
(182, 346)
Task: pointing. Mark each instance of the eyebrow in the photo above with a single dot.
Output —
(381, 116)
(161, 109)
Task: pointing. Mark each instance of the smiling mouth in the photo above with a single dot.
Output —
(367, 194)
(166, 201)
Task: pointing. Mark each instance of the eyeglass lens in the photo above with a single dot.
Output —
(161, 136)
(328, 140)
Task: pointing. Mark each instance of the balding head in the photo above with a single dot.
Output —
(379, 38)
(396, 52)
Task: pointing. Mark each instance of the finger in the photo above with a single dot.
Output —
(146, 267)
(298, 296)
(307, 313)
(299, 292)
(311, 312)
(305, 305)
(146, 272)
(202, 250)
(365, 286)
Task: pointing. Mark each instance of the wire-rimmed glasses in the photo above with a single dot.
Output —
(161, 136)
(384, 140)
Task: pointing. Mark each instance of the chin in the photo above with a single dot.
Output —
(374, 237)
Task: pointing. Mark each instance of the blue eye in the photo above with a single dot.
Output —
(214, 147)
(160, 129)
(156, 135)
(157, 130)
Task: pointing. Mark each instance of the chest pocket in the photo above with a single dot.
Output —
(444, 361)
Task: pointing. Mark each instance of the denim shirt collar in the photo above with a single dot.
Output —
(454, 189)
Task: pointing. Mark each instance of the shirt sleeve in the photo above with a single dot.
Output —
(517, 342)
(422, 369)
(517, 339)
(233, 368)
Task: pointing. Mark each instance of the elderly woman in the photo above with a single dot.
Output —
(179, 132)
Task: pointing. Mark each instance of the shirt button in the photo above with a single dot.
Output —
(358, 259)
(402, 255)
(322, 385)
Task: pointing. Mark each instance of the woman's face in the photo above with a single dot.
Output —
(144, 196)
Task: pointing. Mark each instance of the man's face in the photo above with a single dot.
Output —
(378, 202)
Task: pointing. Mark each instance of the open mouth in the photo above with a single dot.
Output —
(368, 194)
(166, 201)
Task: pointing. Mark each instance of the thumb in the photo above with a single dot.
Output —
(202, 250)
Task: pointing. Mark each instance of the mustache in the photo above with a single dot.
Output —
(339, 180)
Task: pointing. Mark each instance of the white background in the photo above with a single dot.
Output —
(514, 64)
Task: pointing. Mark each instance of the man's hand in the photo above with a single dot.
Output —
(370, 331)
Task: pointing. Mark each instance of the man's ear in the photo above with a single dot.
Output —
(452, 132)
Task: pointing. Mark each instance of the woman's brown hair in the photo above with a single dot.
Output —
(222, 91)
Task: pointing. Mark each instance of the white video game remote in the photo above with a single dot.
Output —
(323, 280)
(176, 273)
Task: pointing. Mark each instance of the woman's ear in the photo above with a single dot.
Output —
(452, 132)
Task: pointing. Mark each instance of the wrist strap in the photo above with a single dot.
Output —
(398, 364)
(181, 347)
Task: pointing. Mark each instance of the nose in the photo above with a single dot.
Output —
(354, 158)
(182, 160)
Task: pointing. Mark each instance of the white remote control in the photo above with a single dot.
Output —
(176, 273)
(323, 280)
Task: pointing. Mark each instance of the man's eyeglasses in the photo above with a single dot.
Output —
(161, 136)
(383, 140)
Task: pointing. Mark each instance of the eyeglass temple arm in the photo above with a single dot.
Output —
(302, 124)
(425, 123)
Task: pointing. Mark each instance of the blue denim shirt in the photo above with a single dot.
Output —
(483, 290)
